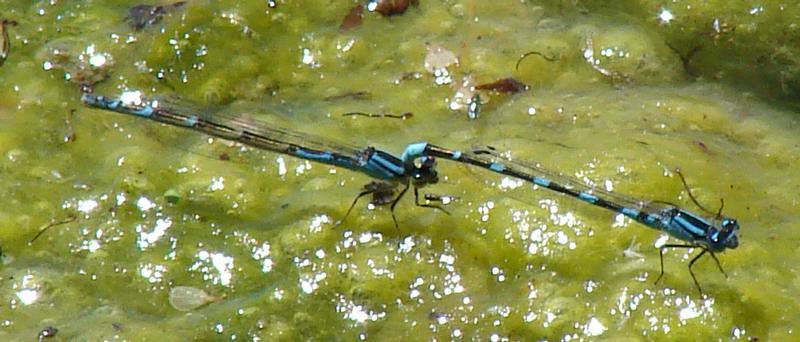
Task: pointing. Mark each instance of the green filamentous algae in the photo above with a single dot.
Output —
(179, 236)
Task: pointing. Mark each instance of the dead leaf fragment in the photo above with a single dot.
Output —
(505, 85)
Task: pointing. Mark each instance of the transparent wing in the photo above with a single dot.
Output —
(259, 121)
(532, 169)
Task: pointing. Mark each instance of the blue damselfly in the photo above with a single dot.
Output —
(391, 171)
(711, 235)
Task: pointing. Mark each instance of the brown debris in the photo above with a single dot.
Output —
(355, 95)
(353, 18)
(394, 7)
(505, 85)
(702, 146)
(5, 46)
(142, 16)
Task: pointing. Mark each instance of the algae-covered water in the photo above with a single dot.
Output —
(617, 96)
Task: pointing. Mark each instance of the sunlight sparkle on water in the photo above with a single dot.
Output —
(281, 166)
(217, 183)
(97, 60)
(756, 10)
(86, 206)
(452, 284)
(406, 245)
(148, 238)
(309, 284)
(120, 198)
(594, 327)
(665, 16)
(498, 272)
(317, 222)
(662, 240)
(152, 272)
(609, 185)
(693, 310)
(90, 245)
(484, 210)
(366, 237)
(262, 253)
(357, 313)
(308, 58)
(145, 204)
(688, 313)
(131, 97)
(346, 46)
(372, 5)
(303, 167)
(216, 267)
(27, 296)
(29, 293)
(509, 183)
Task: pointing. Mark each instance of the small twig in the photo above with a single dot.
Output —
(404, 116)
(50, 225)
(537, 53)
(356, 95)
(687, 60)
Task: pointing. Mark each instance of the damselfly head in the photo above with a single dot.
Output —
(724, 237)
(728, 235)
(426, 172)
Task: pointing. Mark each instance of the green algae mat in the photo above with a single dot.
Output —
(118, 228)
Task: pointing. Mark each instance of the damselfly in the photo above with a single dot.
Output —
(711, 235)
(388, 169)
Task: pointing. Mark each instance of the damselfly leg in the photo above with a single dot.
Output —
(691, 263)
(394, 204)
(382, 193)
(428, 198)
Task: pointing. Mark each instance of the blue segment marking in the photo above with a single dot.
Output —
(687, 226)
(389, 167)
(318, 156)
(413, 151)
(116, 105)
(630, 212)
(191, 120)
(497, 167)
(588, 197)
(145, 112)
(715, 236)
(541, 181)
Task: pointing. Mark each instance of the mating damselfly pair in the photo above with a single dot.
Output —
(416, 167)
